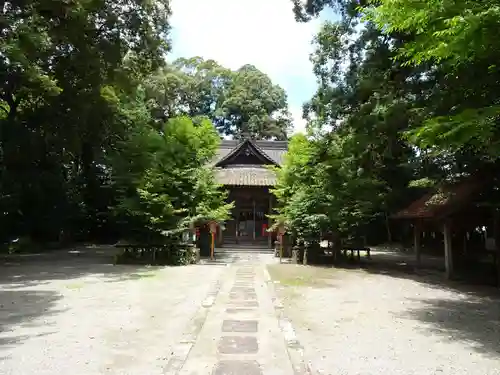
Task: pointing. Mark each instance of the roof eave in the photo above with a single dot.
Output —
(221, 162)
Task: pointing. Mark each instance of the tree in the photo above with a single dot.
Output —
(458, 39)
(253, 105)
(60, 62)
(320, 189)
(163, 179)
(237, 102)
(365, 102)
(192, 87)
(410, 92)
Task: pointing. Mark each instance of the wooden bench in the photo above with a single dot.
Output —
(145, 253)
(355, 249)
(159, 254)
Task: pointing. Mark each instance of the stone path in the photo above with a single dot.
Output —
(240, 333)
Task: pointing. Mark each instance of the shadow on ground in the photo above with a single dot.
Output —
(474, 320)
(26, 293)
(431, 272)
(22, 308)
(471, 314)
(20, 271)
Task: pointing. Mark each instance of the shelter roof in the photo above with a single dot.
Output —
(443, 201)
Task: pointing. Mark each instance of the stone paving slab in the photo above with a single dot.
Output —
(243, 303)
(243, 296)
(241, 310)
(238, 345)
(237, 367)
(230, 325)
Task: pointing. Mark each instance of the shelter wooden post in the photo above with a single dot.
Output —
(417, 243)
(448, 251)
(269, 234)
(496, 235)
(253, 205)
(237, 225)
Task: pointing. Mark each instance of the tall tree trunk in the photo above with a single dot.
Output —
(388, 227)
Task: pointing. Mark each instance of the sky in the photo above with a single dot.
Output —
(263, 33)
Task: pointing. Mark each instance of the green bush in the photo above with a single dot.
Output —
(158, 255)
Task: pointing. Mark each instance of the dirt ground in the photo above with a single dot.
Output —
(375, 320)
(74, 312)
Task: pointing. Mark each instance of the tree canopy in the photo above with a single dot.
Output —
(101, 137)
(238, 102)
(406, 99)
(82, 156)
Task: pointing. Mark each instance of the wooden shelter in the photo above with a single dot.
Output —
(452, 208)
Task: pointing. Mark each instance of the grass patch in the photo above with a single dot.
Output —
(139, 276)
(302, 276)
(75, 286)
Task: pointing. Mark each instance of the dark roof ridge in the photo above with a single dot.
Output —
(238, 148)
(262, 143)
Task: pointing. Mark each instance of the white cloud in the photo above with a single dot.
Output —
(259, 32)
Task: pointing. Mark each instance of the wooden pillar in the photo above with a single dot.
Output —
(417, 243)
(253, 203)
(236, 225)
(496, 235)
(221, 236)
(464, 249)
(269, 235)
(448, 251)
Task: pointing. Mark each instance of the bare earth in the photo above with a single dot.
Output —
(79, 316)
(363, 323)
(75, 313)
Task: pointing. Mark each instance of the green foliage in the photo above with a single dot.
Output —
(458, 39)
(83, 154)
(318, 190)
(60, 66)
(237, 102)
(457, 32)
(168, 186)
(408, 96)
(170, 253)
(422, 183)
(362, 162)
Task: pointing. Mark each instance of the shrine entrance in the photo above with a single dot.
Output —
(249, 221)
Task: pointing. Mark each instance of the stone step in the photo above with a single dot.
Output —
(242, 250)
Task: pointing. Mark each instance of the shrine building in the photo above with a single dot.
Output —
(243, 168)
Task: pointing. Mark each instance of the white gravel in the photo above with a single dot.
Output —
(80, 318)
(369, 324)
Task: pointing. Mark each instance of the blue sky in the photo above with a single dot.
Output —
(263, 33)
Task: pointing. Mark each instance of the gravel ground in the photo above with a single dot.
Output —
(81, 315)
(358, 322)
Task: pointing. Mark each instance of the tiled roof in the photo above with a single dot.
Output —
(443, 201)
(273, 149)
(245, 176)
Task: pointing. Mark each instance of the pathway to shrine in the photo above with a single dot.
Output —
(239, 330)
